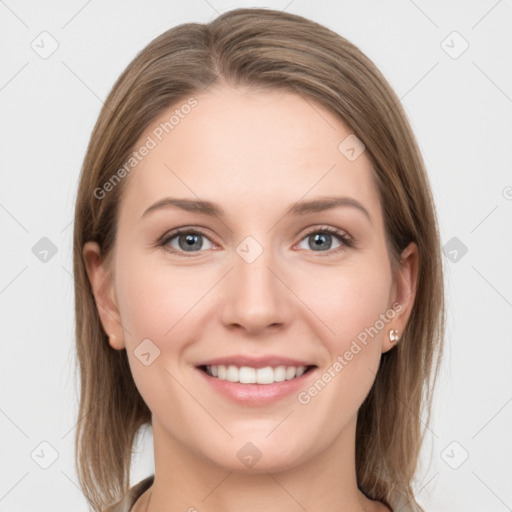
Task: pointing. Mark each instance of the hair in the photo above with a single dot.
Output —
(262, 49)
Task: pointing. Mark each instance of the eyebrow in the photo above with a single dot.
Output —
(300, 208)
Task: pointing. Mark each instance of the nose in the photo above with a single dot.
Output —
(256, 296)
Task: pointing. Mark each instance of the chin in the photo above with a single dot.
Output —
(254, 457)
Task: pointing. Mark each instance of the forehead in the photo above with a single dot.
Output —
(247, 148)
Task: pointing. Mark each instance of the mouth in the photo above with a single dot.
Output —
(249, 375)
(256, 380)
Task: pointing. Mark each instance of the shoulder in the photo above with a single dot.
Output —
(129, 499)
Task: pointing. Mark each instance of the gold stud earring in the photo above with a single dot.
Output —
(393, 336)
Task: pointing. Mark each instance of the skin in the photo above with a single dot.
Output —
(254, 153)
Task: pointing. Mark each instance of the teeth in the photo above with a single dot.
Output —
(247, 375)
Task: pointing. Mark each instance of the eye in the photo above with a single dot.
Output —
(185, 240)
(320, 239)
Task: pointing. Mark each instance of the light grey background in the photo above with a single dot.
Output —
(460, 107)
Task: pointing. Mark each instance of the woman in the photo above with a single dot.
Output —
(276, 374)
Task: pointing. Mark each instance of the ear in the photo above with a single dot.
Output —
(403, 295)
(102, 286)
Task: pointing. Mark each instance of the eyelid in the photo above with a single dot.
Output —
(320, 228)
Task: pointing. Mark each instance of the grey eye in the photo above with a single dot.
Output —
(320, 241)
(188, 241)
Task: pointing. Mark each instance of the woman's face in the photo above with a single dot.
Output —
(254, 280)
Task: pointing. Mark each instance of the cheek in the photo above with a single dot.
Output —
(349, 300)
(350, 303)
(157, 307)
(155, 300)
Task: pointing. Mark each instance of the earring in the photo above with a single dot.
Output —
(393, 336)
(111, 337)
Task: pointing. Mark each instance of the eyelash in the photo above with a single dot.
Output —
(346, 241)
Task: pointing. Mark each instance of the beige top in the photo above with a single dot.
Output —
(399, 504)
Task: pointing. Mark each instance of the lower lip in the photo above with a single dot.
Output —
(257, 394)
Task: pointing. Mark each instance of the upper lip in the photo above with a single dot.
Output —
(255, 362)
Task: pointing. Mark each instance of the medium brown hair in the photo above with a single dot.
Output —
(261, 48)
